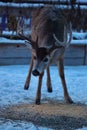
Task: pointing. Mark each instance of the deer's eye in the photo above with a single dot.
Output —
(45, 59)
(35, 57)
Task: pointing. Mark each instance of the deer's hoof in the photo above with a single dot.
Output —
(37, 102)
(69, 101)
(50, 90)
(26, 87)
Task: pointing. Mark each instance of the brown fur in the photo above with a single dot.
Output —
(45, 22)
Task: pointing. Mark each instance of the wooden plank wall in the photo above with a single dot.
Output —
(12, 54)
(86, 55)
(76, 55)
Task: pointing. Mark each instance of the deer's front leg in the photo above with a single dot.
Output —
(49, 86)
(26, 86)
(38, 95)
(62, 76)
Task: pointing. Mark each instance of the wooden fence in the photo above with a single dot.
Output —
(18, 53)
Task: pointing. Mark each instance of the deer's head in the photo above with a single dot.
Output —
(43, 55)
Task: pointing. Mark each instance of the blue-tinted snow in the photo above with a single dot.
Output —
(19, 125)
(12, 79)
(17, 5)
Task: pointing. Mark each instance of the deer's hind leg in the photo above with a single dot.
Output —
(27, 83)
(49, 85)
(62, 76)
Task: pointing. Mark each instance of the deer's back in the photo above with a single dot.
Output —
(45, 22)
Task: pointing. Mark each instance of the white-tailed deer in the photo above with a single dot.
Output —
(49, 38)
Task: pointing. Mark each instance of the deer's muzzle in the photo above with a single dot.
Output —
(35, 72)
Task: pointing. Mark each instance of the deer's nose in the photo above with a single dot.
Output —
(35, 72)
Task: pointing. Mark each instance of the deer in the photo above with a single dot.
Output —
(48, 42)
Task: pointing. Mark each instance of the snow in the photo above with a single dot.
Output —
(17, 5)
(19, 125)
(83, 0)
(5, 41)
(23, 5)
(80, 35)
(12, 79)
(80, 42)
(8, 33)
(84, 128)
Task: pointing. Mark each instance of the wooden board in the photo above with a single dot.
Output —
(20, 54)
(14, 50)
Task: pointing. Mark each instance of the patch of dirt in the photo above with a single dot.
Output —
(52, 114)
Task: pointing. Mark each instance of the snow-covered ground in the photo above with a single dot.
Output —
(19, 125)
(12, 79)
